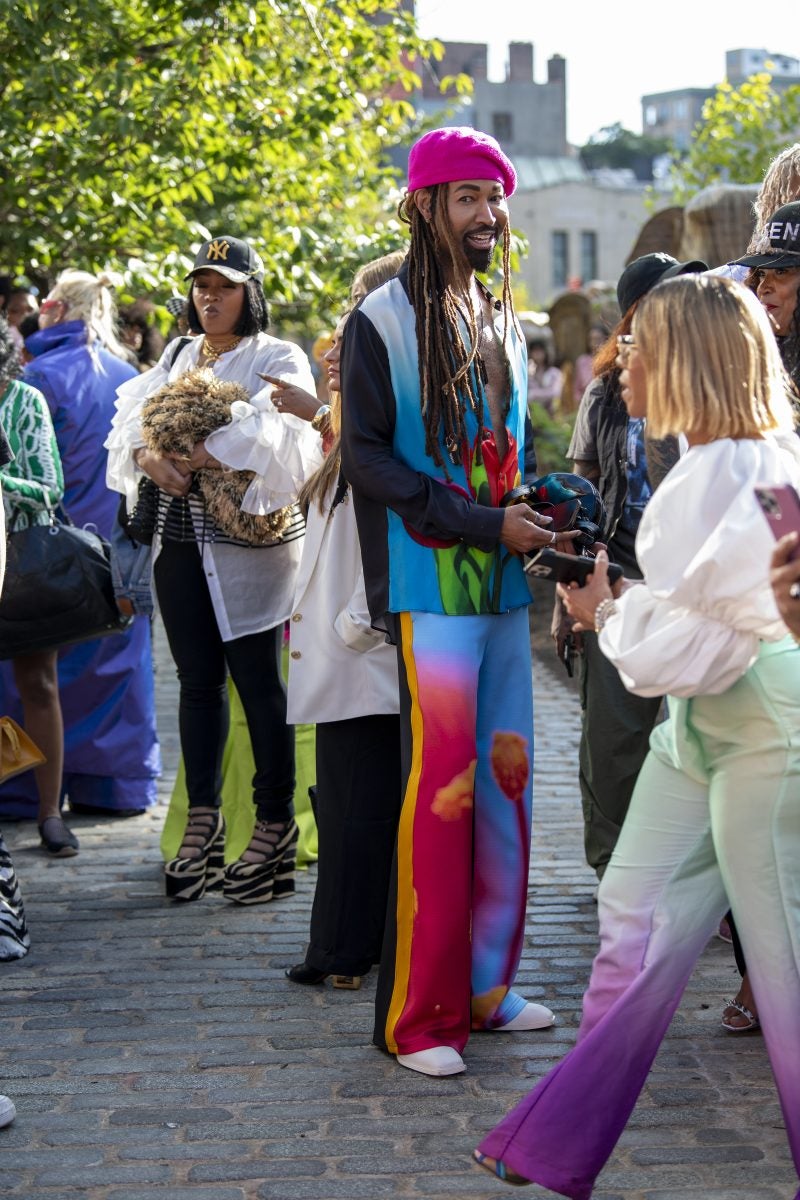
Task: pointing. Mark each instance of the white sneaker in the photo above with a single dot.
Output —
(532, 1016)
(7, 1111)
(439, 1060)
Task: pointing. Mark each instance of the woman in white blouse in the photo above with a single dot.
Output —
(223, 602)
(716, 810)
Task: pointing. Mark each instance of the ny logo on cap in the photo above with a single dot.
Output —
(218, 250)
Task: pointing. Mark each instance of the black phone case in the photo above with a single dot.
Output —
(565, 568)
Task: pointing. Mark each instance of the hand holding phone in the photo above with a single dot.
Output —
(582, 597)
(781, 506)
(566, 568)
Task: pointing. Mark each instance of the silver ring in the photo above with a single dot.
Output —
(553, 538)
(794, 591)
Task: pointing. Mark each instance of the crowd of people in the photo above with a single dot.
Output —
(383, 526)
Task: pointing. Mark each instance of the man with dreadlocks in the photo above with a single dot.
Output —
(434, 392)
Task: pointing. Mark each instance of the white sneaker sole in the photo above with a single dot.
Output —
(532, 1016)
(438, 1062)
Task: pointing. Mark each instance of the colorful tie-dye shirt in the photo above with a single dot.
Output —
(429, 543)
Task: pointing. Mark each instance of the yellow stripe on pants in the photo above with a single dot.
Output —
(405, 843)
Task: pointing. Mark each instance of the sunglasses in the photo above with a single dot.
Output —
(626, 343)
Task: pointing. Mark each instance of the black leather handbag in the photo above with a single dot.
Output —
(57, 589)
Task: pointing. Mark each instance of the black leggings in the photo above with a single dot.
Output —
(201, 657)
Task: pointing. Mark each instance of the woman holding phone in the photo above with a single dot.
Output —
(785, 579)
(716, 809)
(773, 273)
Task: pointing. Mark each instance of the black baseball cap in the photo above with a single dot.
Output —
(231, 257)
(783, 231)
(644, 273)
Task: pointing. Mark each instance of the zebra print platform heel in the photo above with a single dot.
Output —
(273, 877)
(191, 878)
(14, 937)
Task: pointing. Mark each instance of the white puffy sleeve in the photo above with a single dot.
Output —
(281, 449)
(122, 474)
(660, 650)
(693, 627)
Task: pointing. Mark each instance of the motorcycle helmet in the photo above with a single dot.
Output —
(572, 501)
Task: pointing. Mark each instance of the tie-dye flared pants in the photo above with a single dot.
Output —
(715, 812)
(457, 901)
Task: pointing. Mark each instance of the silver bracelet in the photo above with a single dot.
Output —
(605, 609)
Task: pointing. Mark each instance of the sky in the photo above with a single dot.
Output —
(616, 51)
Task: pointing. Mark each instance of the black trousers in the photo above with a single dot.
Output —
(202, 660)
(357, 811)
(615, 739)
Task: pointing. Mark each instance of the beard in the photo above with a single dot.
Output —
(479, 260)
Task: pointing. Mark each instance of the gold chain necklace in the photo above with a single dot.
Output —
(212, 353)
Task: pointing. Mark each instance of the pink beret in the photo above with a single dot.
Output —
(447, 155)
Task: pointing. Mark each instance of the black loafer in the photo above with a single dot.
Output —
(303, 973)
(57, 839)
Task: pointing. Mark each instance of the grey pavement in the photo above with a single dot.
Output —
(156, 1051)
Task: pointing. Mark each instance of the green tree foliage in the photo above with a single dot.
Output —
(614, 146)
(133, 129)
(741, 132)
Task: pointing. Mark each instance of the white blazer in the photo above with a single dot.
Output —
(339, 666)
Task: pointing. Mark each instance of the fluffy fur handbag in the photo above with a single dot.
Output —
(18, 751)
(185, 412)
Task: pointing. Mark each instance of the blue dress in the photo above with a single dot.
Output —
(111, 753)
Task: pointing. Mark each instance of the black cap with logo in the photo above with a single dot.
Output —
(783, 231)
(231, 257)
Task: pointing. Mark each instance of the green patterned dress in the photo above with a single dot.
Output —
(31, 483)
(34, 482)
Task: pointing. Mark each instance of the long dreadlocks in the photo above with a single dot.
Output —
(451, 372)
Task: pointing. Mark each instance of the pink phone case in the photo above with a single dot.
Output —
(781, 506)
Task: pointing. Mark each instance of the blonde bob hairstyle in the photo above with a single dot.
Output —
(712, 365)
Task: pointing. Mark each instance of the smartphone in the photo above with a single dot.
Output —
(566, 568)
(781, 506)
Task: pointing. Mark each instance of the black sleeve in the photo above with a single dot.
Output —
(529, 469)
(583, 444)
(368, 416)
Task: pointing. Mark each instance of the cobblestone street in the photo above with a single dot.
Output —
(156, 1052)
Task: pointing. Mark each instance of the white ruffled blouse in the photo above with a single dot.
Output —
(694, 626)
(251, 588)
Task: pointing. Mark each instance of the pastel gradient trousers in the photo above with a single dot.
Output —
(457, 901)
(716, 811)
